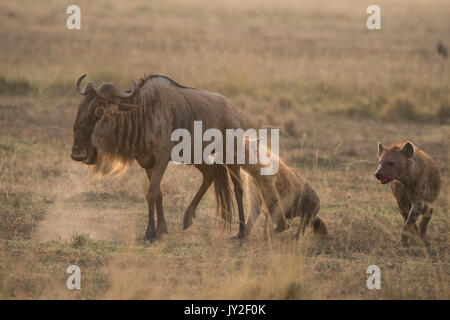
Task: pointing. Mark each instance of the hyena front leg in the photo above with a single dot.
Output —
(410, 228)
(279, 217)
(268, 227)
(255, 210)
(404, 207)
(424, 222)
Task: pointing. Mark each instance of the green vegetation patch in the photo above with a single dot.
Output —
(9, 146)
(15, 86)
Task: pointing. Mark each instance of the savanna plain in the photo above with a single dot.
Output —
(310, 68)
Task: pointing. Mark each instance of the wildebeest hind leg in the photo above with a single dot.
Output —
(208, 178)
(150, 233)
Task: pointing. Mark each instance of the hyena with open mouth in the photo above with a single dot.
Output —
(415, 183)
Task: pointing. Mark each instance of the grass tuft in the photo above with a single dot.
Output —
(19, 215)
(15, 86)
(399, 109)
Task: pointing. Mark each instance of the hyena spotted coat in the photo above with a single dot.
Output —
(415, 183)
(284, 195)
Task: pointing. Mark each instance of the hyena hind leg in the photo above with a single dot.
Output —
(309, 207)
(319, 227)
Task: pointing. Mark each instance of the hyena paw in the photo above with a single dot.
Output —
(403, 242)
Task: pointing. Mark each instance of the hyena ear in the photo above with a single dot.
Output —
(408, 150)
(380, 148)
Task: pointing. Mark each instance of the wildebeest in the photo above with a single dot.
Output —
(113, 128)
(416, 183)
(284, 195)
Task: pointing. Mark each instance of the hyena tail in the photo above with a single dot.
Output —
(320, 229)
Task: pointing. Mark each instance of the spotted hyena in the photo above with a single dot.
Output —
(282, 196)
(415, 183)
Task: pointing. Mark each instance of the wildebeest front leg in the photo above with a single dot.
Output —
(410, 228)
(150, 233)
(189, 214)
(154, 198)
(161, 227)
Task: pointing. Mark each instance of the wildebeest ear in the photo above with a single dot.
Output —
(99, 110)
(380, 148)
(408, 150)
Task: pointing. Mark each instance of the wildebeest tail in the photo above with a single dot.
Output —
(224, 194)
(319, 227)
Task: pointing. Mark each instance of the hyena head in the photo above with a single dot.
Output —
(392, 161)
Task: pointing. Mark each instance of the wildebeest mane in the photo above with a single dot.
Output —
(143, 80)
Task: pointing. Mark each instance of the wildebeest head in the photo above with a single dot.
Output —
(90, 111)
(393, 161)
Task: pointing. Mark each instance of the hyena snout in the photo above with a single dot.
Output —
(382, 176)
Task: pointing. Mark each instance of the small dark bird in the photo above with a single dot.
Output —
(442, 49)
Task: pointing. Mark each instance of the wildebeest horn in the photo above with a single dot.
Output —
(108, 90)
(87, 89)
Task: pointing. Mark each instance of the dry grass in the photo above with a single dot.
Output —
(308, 67)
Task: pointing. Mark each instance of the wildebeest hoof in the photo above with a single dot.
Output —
(150, 236)
(160, 232)
(240, 236)
(188, 218)
(149, 239)
(187, 222)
